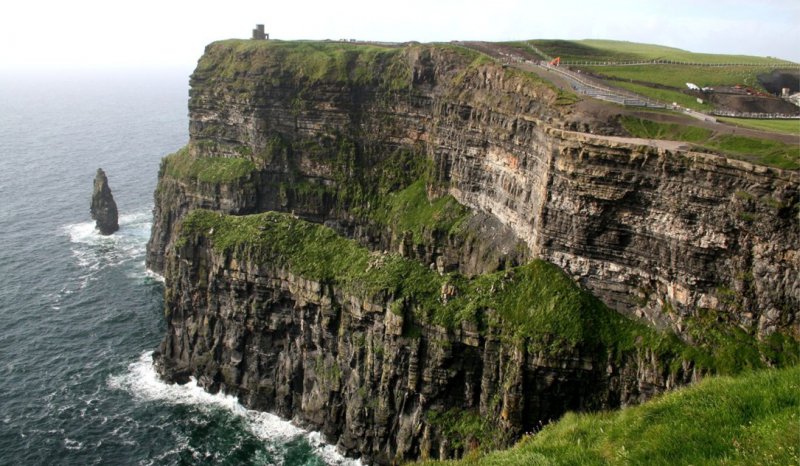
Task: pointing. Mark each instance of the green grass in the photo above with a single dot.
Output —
(651, 51)
(185, 166)
(666, 96)
(307, 62)
(674, 76)
(760, 151)
(777, 126)
(410, 210)
(751, 419)
(677, 76)
(643, 128)
(610, 50)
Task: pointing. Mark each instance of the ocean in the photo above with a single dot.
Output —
(79, 313)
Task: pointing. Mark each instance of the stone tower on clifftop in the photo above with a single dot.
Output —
(259, 34)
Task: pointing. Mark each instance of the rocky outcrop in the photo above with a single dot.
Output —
(103, 208)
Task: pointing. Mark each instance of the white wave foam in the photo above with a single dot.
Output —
(155, 276)
(72, 444)
(142, 381)
(94, 252)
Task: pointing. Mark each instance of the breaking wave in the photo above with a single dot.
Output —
(144, 384)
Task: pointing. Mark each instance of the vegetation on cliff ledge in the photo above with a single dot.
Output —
(183, 165)
(751, 419)
(536, 302)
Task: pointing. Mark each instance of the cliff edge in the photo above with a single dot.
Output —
(457, 183)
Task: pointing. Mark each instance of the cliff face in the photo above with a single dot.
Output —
(373, 370)
(655, 232)
(449, 160)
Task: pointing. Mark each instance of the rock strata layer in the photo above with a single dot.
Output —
(378, 383)
(103, 208)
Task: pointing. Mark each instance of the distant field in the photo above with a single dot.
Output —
(609, 50)
(678, 75)
(778, 126)
(637, 77)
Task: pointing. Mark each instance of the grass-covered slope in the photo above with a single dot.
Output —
(307, 61)
(776, 126)
(753, 419)
(660, 72)
(612, 50)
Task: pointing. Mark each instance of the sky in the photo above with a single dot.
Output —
(56, 34)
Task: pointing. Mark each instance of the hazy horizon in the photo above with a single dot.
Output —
(90, 34)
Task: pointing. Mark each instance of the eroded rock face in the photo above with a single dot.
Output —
(103, 208)
(656, 232)
(350, 367)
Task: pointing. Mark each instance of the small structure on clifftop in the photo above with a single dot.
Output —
(259, 34)
(104, 209)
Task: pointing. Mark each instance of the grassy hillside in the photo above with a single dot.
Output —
(612, 50)
(665, 81)
(654, 52)
(747, 420)
(777, 126)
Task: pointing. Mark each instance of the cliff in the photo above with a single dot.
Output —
(388, 358)
(435, 155)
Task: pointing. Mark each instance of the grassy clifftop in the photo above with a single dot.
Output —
(752, 419)
(310, 61)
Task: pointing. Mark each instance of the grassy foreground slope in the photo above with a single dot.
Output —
(747, 420)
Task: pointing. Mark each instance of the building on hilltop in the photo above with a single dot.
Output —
(259, 34)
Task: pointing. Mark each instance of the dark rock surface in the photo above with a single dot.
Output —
(349, 368)
(103, 208)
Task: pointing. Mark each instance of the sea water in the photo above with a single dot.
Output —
(79, 313)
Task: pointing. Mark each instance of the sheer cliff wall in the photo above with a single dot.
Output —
(660, 233)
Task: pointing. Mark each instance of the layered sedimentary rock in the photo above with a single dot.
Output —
(345, 136)
(382, 382)
(103, 207)
(655, 232)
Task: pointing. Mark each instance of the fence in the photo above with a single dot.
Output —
(759, 116)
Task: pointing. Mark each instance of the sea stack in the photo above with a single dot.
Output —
(104, 209)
